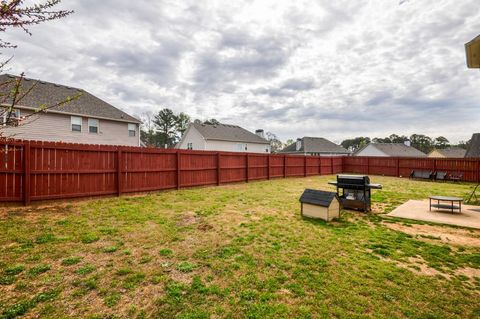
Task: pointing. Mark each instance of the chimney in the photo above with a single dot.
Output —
(260, 133)
(407, 143)
(299, 144)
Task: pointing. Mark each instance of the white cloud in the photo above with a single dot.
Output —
(319, 68)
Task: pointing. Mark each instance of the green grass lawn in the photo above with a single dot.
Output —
(235, 251)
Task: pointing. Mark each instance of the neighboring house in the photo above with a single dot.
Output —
(315, 146)
(449, 152)
(389, 150)
(87, 119)
(474, 148)
(223, 137)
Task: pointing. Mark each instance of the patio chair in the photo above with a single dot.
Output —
(456, 176)
(440, 176)
(421, 174)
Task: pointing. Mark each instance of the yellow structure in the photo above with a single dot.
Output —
(436, 154)
(449, 152)
(472, 50)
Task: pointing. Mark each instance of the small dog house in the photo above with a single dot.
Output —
(320, 204)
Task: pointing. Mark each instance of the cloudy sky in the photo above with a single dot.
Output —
(336, 69)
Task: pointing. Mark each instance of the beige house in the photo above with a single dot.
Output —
(389, 150)
(223, 137)
(449, 152)
(86, 119)
(315, 146)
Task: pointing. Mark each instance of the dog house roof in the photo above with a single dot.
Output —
(317, 197)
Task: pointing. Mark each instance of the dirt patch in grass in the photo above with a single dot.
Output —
(445, 234)
(188, 219)
(379, 208)
(418, 266)
(469, 272)
(36, 212)
(205, 227)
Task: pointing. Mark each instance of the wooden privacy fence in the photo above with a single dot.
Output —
(402, 167)
(33, 170)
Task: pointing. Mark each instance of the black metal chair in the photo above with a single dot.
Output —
(456, 176)
(440, 176)
(421, 174)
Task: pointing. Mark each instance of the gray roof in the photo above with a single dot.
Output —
(396, 150)
(46, 93)
(315, 145)
(317, 197)
(227, 132)
(474, 149)
(452, 152)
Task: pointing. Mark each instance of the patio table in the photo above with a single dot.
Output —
(454, 203)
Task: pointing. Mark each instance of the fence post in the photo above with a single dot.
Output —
(478, 170)
(218, 168)
(268, 166)
(305, 166)
(119, 171)
(331, 165)
(26, 174)
(434, 165)
(319, 165)
(246, 166)
(177, 166)
(368, 165)
(284, 166)
(398, 166)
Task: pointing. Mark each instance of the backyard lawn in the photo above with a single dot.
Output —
(236, 251)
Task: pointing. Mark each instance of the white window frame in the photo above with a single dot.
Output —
(189, 146)
(129, 126)
(72, 118)
(93, 121)
(15, 114)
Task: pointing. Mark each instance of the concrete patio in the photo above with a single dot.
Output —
(419, 210)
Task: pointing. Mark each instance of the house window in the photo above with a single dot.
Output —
(93, 126)
(14, 118)
(132, 129)
(76, 122)
(241, 147)
(189, 146)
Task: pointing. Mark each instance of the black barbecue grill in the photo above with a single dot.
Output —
(354, 191)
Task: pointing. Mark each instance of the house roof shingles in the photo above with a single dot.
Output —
(46, 93)
(315, 145)
(396, 150)
(227, 132)
(452, 152)
(474, 148)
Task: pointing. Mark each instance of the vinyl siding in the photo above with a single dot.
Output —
(227, 146)
(57, 128)
(194, 137)
(199, 143)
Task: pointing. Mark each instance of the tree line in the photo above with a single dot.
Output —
(166, 128)
(421, 142)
